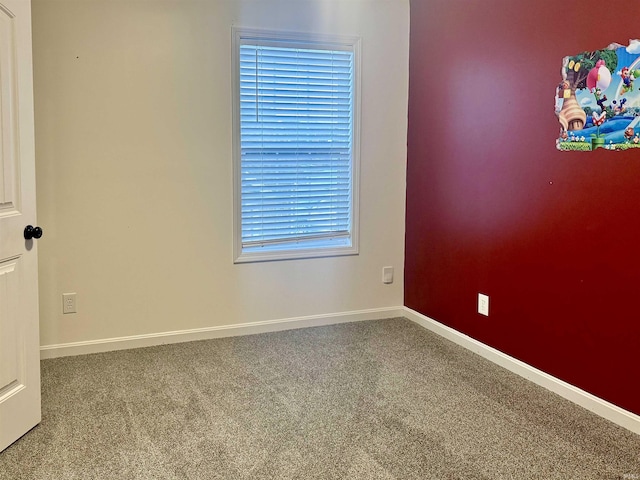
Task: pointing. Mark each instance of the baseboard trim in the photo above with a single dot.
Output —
(179, 336)
(600, 407)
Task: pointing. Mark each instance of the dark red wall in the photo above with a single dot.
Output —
(553, 238)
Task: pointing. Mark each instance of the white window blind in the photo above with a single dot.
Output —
(296, 108)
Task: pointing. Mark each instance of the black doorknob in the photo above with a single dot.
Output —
(32, 232)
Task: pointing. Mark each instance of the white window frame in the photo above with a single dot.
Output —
(294, 40)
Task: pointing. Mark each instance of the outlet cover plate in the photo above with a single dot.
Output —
(69, 303)
(387, 275)
(483, 304)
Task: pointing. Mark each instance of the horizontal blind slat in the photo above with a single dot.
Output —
(296, 134)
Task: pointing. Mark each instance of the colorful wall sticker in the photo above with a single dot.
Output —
(598, 100)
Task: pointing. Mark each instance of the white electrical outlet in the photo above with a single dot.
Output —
(387, 275)
(69, 303)
(483, 304)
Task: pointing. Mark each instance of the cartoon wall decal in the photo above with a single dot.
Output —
(597, 103)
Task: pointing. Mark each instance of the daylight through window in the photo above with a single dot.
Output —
(296, 162)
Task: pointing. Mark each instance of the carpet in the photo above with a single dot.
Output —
(381, 399)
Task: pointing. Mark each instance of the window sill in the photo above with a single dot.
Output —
(294, 254)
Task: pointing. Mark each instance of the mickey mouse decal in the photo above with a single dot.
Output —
(596, 103)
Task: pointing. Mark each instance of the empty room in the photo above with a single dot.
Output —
(319, 239)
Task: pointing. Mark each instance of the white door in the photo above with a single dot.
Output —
(19, 342)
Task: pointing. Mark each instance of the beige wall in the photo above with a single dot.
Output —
(134, 168)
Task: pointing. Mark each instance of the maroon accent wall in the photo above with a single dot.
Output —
(553, 238)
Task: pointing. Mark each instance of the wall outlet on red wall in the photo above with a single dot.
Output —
(483, 304)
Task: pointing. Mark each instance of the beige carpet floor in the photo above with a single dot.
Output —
(370, 400)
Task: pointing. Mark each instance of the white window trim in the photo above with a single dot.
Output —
(331, 42)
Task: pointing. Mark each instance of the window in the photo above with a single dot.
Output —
(295, 145)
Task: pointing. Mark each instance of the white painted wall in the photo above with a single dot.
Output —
(134, 167)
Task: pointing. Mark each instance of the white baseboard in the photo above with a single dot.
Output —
(600, 407)
(153, 339)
